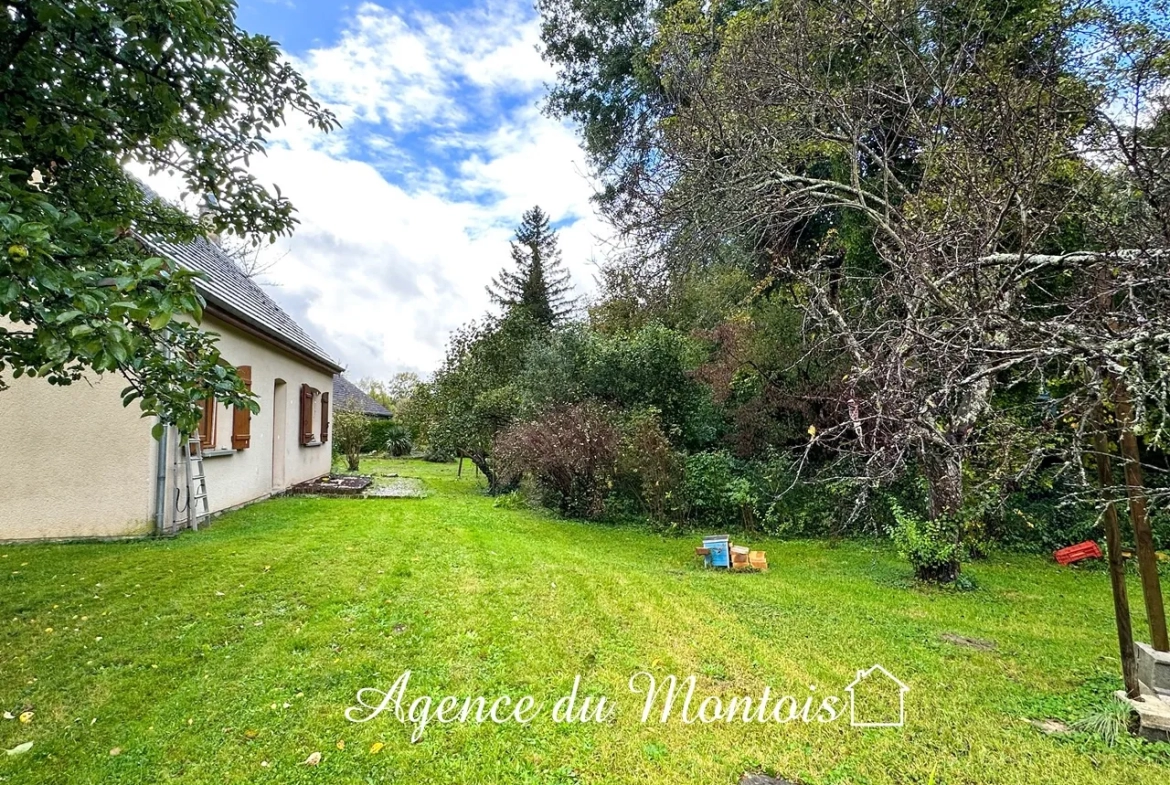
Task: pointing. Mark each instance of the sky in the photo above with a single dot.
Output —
(406, 211)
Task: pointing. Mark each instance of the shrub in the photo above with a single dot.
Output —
(380, 431)
(435, 454)
(570, 454)
(396, 440)
(929, 545)
(716, 491)
(649, 473)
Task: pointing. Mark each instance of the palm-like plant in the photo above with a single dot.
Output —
(398, 442)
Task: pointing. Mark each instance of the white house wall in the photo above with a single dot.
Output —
(75, 464)
(73, 461)
(241, 476)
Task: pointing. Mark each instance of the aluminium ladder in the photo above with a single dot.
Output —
(196, 484)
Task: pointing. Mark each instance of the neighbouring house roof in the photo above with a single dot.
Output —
(347, 395)
(229, 292)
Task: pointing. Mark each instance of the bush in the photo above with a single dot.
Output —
(712, 489)
(397, 441)
(649, 472)
(929, 545)
(380, 431)
(570, 454)
(436, 454)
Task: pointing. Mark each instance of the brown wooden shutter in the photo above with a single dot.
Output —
(306, 414)
(242, 416)
(207, 424)
(324, 417)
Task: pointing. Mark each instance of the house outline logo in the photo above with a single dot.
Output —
(861, 677)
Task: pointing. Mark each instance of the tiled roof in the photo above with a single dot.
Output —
(225, 286)
(347, 395)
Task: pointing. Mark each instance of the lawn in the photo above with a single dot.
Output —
(230, 655)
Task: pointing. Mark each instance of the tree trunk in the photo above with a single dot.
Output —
(495, 487)
(1142, 535)
(944, 475)
(1116, 564)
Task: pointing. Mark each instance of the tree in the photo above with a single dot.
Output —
(540, 282)
(473, 395)
(85, 86)
(392, 393)
(351, 428)
(916, 172)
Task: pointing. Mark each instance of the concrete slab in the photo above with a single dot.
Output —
(1154, 714)
(397, 488)
(1153, 670)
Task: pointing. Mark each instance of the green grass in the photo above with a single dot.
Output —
(204, 656)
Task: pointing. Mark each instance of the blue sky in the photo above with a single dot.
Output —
(406, 211)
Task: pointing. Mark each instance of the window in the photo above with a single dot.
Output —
(207, 424)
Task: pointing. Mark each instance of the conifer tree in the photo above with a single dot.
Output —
(539, 283)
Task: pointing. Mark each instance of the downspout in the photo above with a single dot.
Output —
(160, 485)
(160, 478)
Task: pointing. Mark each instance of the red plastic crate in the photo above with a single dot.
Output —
(1074, 553)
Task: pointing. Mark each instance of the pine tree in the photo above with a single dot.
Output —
(539, 283)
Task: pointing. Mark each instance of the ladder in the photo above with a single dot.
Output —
(196, 484)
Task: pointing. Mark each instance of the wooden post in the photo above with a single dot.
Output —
(1142, 535)
(1116, 564)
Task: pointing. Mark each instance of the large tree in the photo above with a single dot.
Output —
(539, 282)
(85, 87)
(925, 176)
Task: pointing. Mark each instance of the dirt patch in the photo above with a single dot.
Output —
(1050, 727)
(971, 643)
(763, 779)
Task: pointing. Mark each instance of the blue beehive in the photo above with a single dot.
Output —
(719, 551)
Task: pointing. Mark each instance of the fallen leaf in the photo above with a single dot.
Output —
(116, 751)
(341, 744)
(313, 759)
(376, 748)
(9, 715)
(263, 764)
(251, 734)
(20, 749)
(26, 717)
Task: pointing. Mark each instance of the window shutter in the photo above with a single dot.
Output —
(207, 424)
(324, 417)
(242, 416)
(306, 414)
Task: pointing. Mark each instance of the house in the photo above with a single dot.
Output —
(347, 396)
(877, 699)
(74, 463)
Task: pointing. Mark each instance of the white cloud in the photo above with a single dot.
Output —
(398, 69)
(406, 213)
